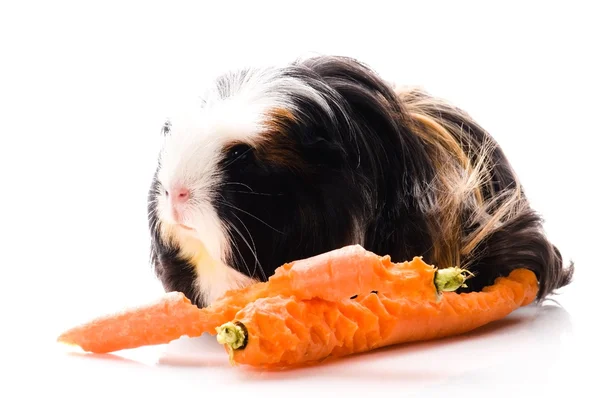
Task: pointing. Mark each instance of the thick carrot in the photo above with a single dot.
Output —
(282, 331)
(336, 275)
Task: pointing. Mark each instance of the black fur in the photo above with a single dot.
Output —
(360, 162)
(365, 167)
(520, 243)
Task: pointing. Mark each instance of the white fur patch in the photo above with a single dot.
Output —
(190, 157)
(216, 282)
(214, 277)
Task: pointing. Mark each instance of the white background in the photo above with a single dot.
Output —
(85, 87)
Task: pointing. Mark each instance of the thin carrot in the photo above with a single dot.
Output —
(157, 322)
(282, 331)
(339, 274)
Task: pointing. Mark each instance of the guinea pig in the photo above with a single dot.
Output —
(283, 163)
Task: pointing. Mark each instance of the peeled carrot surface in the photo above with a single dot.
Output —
(282, 331)
(161, 321)
(338, 303)
(339, 274)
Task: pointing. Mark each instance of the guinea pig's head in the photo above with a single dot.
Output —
(268, 169)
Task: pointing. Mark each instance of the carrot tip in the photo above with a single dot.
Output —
(451, 278)
(68, 344)
(232, 334)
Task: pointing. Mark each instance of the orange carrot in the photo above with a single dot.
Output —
(341, 302)
(282, 331)
(157, 322)
(341, 273)
(334, 275)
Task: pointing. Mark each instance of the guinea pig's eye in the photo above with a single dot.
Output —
(238, 152)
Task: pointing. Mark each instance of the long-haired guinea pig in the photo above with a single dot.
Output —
(280, 164)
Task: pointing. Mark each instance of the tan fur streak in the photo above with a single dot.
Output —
(215, 277)
(463, 170)
(274, 145)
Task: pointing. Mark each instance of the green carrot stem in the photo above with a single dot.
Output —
(233, 334)
(450, 279)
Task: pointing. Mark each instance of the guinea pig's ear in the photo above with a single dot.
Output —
(166, 128)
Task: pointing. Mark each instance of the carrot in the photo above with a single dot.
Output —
(334, 275)
(319, 306)
(341, 273)
(282, 331)
(159, 322)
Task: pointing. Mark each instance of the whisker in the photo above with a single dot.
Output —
(234, 183)
(260, 267)
(240, 253)
(228, 225)
(237, 158)
(247, 244)
(153, 215)
(225, 203)
(255, 193)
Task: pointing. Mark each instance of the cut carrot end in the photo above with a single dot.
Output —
(67, 344)
(450, 279)
(233, 334)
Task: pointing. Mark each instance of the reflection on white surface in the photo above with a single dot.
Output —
(539, 327)
(520, 350)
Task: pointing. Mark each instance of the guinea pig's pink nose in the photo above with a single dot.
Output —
(179, 195)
